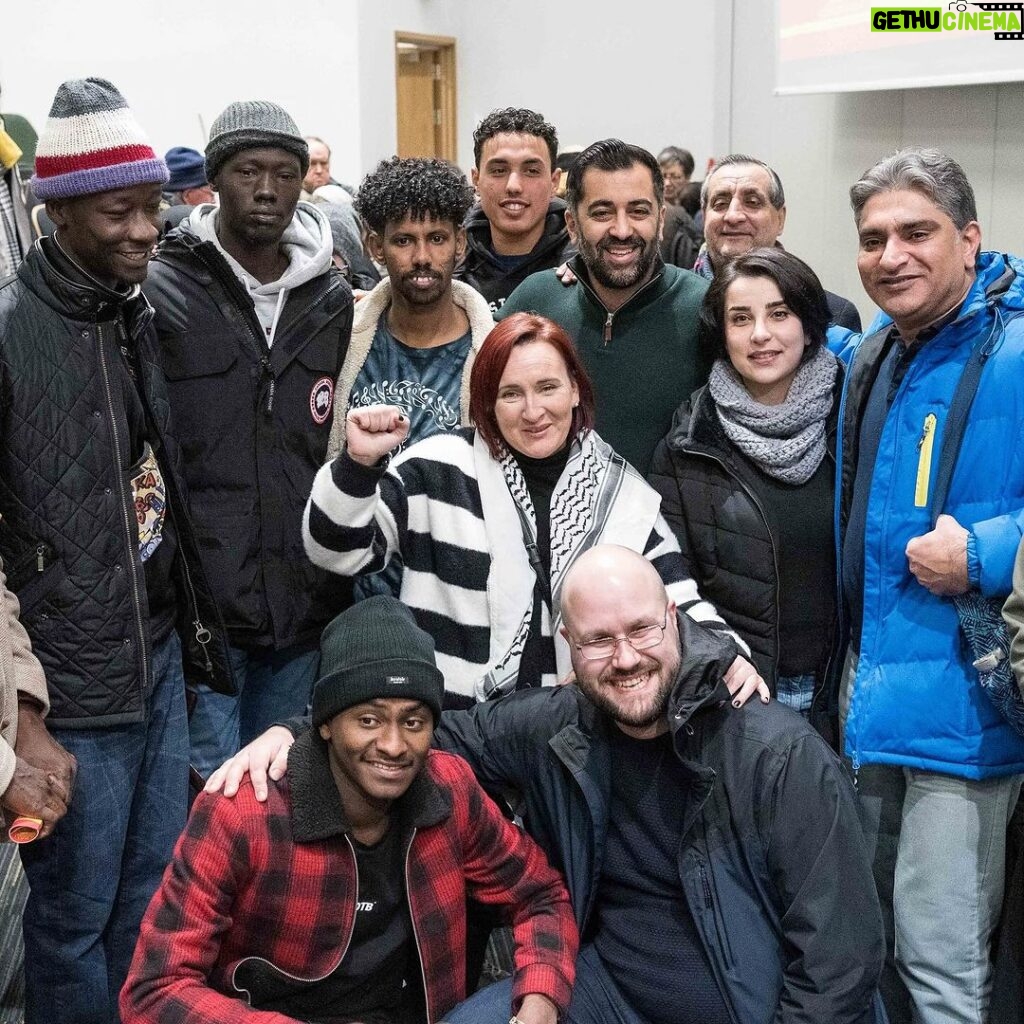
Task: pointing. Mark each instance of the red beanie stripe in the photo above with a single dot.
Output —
(48, 166)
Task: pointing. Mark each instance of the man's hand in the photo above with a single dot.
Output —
(36, 793)
(743, 682)
(939, 559)
(38, 748)
(564, 274)
(372, 431)
(267, 754)
(537, 1009)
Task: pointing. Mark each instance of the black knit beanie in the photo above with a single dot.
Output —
(375, 649)
(253, 124)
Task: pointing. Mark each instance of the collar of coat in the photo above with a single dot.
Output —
(653, 287)
(79, 299)
(316, 809)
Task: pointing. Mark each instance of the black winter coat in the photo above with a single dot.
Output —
(68, 534)
(772, 862)
(483, 272)
(710, 498)
(253, 424)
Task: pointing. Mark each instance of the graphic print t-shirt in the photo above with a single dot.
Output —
(425, 382)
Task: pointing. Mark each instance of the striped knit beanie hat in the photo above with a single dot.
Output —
(253, 124)
(92, 143)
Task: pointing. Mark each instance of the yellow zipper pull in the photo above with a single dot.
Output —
(924, 461)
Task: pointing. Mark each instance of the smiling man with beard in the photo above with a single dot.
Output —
(254, 321)
(634, 319)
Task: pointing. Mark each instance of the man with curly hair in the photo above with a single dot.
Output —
(518, 226)
(414, 336)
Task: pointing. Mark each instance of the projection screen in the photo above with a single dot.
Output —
(829, 45)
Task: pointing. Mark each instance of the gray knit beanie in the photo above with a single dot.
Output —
(250, 124)
(375, 649)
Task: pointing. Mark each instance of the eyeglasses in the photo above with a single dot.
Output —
(640, 639)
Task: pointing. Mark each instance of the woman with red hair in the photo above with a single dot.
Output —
(487, 519)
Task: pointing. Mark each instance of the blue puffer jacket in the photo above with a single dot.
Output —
(916, 698)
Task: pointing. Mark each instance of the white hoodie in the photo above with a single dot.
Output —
(307, 243)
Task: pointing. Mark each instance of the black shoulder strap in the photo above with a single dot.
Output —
(533, 554)
(956, 421)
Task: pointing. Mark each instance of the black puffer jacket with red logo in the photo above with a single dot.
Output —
(253, 423)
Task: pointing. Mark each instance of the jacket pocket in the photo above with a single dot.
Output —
(197, 354)
(322, 355)
(925, 448)
(41, 581)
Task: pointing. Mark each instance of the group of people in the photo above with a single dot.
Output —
(657, 555)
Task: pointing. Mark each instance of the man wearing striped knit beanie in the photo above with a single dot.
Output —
(97, 547)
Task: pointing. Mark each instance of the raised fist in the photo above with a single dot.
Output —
(372, 431)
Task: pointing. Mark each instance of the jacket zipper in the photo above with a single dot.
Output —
(202, 634)
(295, 977)
(775, 555)
(335, 285)
(925, 445)
(709, 905)
(258, 338)
(610, 315)
(133, 543)
(415, 931)
(836, 632)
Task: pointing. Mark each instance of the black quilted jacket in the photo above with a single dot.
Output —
(67, 523)
(710, 499)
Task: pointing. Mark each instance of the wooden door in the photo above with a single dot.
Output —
(425, 96)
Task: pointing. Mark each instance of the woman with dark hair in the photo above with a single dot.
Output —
(488, 519)
(746, 474)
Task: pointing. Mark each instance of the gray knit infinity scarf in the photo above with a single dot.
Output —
(787, 441)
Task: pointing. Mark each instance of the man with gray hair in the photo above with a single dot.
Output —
(938, 769)
(744, 207)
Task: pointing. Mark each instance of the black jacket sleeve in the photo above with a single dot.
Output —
(830, 916)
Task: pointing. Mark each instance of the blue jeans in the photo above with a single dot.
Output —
(273, 686)
(796, 692)
(91, 881)
(595, 999)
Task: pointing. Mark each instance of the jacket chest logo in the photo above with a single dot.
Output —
(321, 399)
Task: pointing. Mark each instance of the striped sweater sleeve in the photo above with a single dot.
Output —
(663, 552)
(355, 517)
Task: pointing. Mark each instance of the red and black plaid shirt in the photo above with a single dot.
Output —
(272, 887)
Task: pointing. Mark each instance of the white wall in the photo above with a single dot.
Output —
(637, 69)
(178, 78)
(821, 144)
(593, 69)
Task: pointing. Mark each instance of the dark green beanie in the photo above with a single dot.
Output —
(375, 649)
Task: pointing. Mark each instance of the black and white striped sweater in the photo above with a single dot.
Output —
(447, 506)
